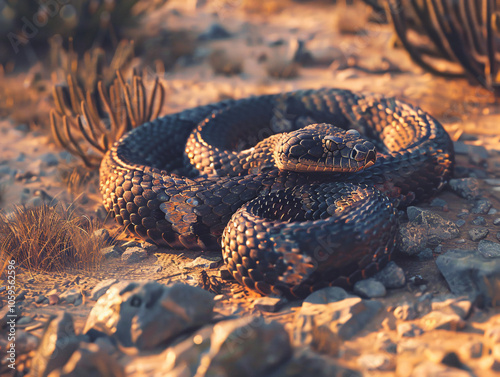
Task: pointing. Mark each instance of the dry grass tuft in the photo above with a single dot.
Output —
(49, 239)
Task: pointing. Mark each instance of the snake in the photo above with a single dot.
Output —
(300, 190)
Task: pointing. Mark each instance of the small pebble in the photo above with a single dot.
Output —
(369, 288)
(440, 203)
(408, 330)
(478, 234)
(480, 220)
(496, 221)
(53, 299)
(460, 222)
(489, 249)
(481, 206)
(425, 254)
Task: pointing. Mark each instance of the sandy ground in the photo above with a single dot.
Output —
(467, 111)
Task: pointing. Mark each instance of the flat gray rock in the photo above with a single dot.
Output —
(90, 360)
(248, 346)
(467, 188)
(322, 326)
(391, 276)
(369, 288)
(489, 249)
(101, 288)
(145, 314)
(56, 346)
(469, 273)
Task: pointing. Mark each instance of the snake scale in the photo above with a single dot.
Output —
(294, 206)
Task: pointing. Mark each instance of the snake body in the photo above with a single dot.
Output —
(212, 177)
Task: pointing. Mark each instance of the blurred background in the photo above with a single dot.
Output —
(441, 55)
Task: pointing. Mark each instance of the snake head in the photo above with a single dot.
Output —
(324, 148)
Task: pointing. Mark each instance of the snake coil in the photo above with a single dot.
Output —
(294, 207)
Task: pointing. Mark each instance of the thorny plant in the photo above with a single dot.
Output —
(87, 123)
(49, 238)
(463, 32)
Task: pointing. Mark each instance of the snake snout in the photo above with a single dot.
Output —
(364, 152)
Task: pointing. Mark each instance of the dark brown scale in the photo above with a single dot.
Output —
(290, 232)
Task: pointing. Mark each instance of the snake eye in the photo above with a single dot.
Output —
(332, 142)
(329, 145)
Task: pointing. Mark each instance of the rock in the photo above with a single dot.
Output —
(408, 330)
(134, 255)
(111, 252)
(269, 304)
(406, 311)
(49, 159)
(477, 234)
(478, 154)
(467, 188)
(101, 288)
(41, 298)
(308, 363)
(471, 350)
(496, 221)
(72, 296)
(481, 206)
(385, 343)
(145, 314)
(460, 222)
(411, 239)
(204, 261)
(469, 273)
(369, 288)
(430, 369)
(214, 31)
(438, 229)
(439, 203)
(90, 360)
(376, 362)
(56, 346)
(489, 249)
(480, 220)
(26, 342)
(21, 295)
(492, 335)
(24, 320)
(149, 247)
(425, 254)
(323, 325)
(438, 320)
(392, 276)
(101, 235)
(248, 346)
(53, 299)
(459, 306)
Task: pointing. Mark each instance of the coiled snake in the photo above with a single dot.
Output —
(297, 211)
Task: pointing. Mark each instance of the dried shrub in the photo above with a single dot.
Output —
(49, 239)
(87, 123)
